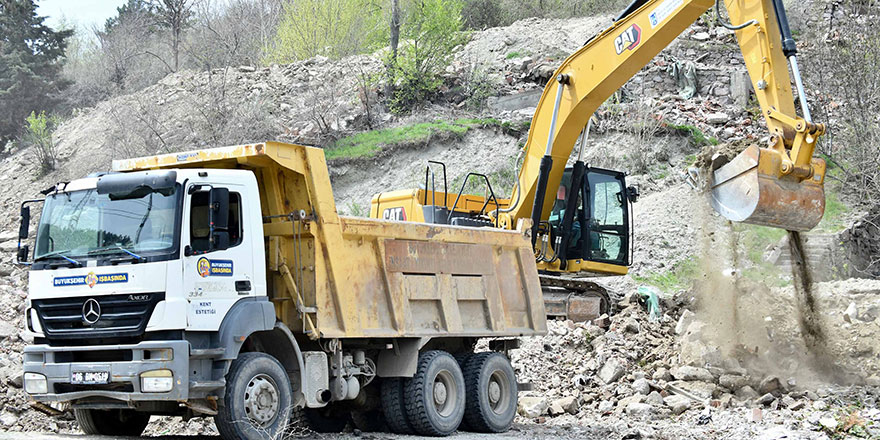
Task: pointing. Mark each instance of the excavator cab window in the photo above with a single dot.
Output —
(600, 231)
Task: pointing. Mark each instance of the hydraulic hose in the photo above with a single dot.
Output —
(728, 25)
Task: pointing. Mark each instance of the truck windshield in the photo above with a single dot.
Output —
(85, 223)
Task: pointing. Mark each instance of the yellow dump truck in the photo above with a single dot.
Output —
(223, 283)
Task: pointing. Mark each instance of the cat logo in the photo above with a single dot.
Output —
(629, 39)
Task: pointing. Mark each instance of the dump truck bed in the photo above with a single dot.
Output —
(347, 277)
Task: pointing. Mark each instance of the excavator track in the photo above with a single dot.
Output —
(577, 299)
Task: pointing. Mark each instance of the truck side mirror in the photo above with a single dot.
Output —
(220, 241)
(632, 193)
(220, 209)
(25, 225)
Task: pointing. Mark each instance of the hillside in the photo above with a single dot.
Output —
(648, 129)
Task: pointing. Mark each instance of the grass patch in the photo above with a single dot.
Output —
(678, 278)
(514, 54)
(694, 134)
(834, 219)
(368, 143)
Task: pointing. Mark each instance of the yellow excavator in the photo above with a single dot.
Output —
(586, 229)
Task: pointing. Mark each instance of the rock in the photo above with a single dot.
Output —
(702, 390)
(662, 374)
(555, 409)
(851, 313)
(732, 382)
(533, 406)
(611, 371)
(642, 386)
(567, 404)
(687, 317)
(766, 399)
(605, 406)
(632, 326)
(654, 398)
(678, 404)
(820, 405)
(717, 118)
(746, 393)
(7, 330)
(246, 69)
(686, 372)
(8, 235)
(756, 415)
(603, 321)
(639, 409)
(769, 385)
(5, 270)
(701, 36)
(828, 422)
(8, 419)
(16, 378)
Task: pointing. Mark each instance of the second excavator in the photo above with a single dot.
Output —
(585, 230)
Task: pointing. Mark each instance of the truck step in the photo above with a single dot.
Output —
(204, 385)
(206, 353)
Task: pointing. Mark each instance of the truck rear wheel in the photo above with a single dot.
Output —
(257, 401)
(435, 396)
(491, 392)
(121, 422)
(394, 405)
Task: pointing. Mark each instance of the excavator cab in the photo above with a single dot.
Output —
(601, 228)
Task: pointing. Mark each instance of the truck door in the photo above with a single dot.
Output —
(607, 217)
(217, 264)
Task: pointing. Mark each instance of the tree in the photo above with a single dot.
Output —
(175, 15)
(31, 58)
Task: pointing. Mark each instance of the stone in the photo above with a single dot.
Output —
(757, 415)
(16, 378)
(746, 393)
(851, 313)
(8, 419)
(605, 406)
(247, 69)
(8, 235)
(5, 270)
(687, 317)
(718, 118)
(701, 36)
(642, 386)
(828, 422)
(702, 390)
(766, 399)
(611, 371)
(769, 384)
(678, 404)
(555, 409)
(533, 406)
(654, 398)
(662, 374)
(637, 409)
(7, 330)
(568, 404)
(732, 382)
(632, 326)
(603, 321)
(689, 373)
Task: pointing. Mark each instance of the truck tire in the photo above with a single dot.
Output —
(491, 392)
(394, 405)
(257, 401)
(115, 422)
(325, 420)
(435, 396)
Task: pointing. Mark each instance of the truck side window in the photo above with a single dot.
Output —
(199, 221)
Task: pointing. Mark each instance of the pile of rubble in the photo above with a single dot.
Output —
(627, 372)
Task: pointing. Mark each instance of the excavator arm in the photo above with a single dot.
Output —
(779, 185)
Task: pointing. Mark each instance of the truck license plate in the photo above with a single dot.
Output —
(89, 377)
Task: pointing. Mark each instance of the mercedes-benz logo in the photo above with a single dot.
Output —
(91, 311)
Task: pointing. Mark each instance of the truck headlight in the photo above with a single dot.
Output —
(157, 381)
(35, 383)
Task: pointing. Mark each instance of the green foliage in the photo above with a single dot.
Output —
(695, 135)
(513, 54)
(429, 33)
(31, 57)
(368, 143)
(38, 136)
(482, 14)
(834, 219)
(331, 28)
(357, 210)
(678, 278)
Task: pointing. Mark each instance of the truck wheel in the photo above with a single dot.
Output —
(394, 405)
(325, 420)
(257, 401)
(121, 422)
(491, 392)
(435, 396)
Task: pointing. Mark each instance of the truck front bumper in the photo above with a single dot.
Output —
(125, 364)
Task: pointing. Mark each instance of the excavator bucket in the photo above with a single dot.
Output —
(743, 191)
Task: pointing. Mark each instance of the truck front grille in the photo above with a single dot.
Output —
(121, 316)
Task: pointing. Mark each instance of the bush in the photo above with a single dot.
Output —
(332, 28)
(38, 136)
(482, 14)
(430, 31)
